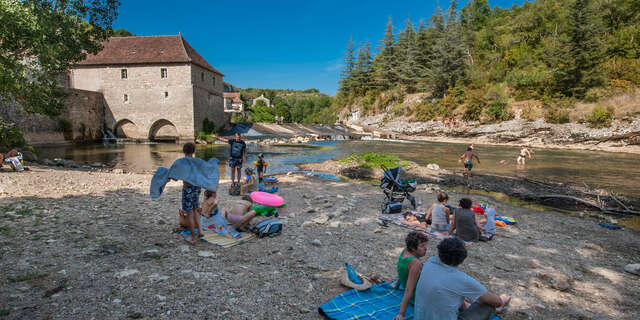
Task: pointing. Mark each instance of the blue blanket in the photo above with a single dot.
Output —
(381, 301)
(197, 172)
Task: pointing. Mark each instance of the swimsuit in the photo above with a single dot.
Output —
(468, 164)
(190, 197)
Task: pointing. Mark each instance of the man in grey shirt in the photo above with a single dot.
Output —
(446, 293)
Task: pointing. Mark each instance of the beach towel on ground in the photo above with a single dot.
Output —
(381, 301)
(195, 171)
(397, 220)
(223, 240)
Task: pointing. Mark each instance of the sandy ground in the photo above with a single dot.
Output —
(92, 245)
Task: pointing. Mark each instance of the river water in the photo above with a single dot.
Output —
(617, 171)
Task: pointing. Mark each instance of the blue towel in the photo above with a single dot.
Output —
(197, 172)
(263, 188)
(381, 301)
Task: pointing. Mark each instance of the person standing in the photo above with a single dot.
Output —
(522, 157)
(468, 156)
(237, 154)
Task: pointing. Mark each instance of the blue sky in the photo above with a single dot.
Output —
(278, 43)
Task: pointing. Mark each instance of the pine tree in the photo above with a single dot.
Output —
(386, 60)
(407, 68)
(448, 59)
(346, 80)
(577, 70)
(363, 71)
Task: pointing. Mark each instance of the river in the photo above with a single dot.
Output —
(616, 171)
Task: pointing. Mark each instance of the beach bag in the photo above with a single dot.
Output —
(393, 207)
(234, 190)
(270, 227)
(237, 149)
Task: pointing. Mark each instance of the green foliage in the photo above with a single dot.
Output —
(373, 160)
(201, 135)
(208, 127)
(498, 110)
(600, 117)
(557, 115)
(122, 33)
(41, 40)
(10, 136)
(476, 103)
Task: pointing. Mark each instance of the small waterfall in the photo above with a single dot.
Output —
(108, 136)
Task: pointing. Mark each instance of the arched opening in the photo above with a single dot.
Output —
(163, 130)
(125, 128)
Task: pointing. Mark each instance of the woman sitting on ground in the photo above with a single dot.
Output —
(440, 214)
(409, 268)
(465, 222)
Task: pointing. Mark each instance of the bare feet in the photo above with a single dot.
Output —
(505, 301)
(192, 240)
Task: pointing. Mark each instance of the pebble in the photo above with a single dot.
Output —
(633, 268)
(316, 242)
(306, 224)
(157, 277)
(127, 272)
(206, 254)
(184, 248)
(310, 210)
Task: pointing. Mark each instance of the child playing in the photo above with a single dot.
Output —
(261, 166)
(439, 213)
(411, 219)
(248, 182)
(191, 200)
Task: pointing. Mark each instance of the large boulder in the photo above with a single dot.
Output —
(28, 155)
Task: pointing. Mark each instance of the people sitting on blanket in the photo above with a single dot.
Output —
(465, 222)
(409, 267)
(240, 214)
(446, 293)
(14, 158)
(248, 182)
(191, 200)
(440, 214)
(411, 219)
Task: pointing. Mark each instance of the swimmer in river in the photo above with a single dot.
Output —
(468, 162)
(524, 152)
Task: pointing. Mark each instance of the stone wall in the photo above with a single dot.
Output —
(207, 98)
(81, 120)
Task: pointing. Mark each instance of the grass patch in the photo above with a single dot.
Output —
(27, 277)
(5, 230)
(5, 312)
(373, 160)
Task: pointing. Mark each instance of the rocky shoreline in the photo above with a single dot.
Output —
(78, 244)
(622, 136)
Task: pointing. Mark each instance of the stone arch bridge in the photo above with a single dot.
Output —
(156, 129)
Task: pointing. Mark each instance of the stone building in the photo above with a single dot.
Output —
(233, 102)
(263, 98)
(155, 87)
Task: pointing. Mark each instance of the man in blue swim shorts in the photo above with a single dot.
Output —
(191, 200)
(468, 156)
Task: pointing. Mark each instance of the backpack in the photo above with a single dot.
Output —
(237, 149)
(270, 227)
(234, 189)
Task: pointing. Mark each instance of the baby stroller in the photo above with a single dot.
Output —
(396, 190)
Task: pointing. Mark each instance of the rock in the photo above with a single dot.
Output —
(306, 224)
(555, 281)
(134, 314)
(48, 162)
(343, 210)
(116, 301)
(328, 205)
(433, 166)
(198, 141)
(310, 210)
(184, 248)
(331, 215)
(161, 298)
(316, 242)
(206, 254)
(65, 163)
(127, 272)
(633, 268)
(157, 277)
(334, 224)
(117, 171)
(51, 241)
(28, 155)
(321, 219)
(152, 254)
(96, 164)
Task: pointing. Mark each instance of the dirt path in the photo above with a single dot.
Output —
(83, 245)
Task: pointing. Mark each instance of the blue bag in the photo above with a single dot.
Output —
(270, 227)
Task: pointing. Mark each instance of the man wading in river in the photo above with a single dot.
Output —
(468, 162)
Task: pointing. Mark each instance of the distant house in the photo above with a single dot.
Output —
(155, 87)
(233, 102)
(263, 98)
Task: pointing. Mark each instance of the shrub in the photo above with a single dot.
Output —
(208, 126)
(557, 115)
(476, 103)
(201, 135)
(498, 110)
(10, 136)
(600, 117)
(427, 111)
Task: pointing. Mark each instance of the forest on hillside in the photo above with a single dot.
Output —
(474, 62)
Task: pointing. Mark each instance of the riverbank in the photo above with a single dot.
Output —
(80, 244)
(621, 136)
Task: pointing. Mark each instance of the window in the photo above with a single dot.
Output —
(163, 73)
(166, 94)
(125, 98)
(123, 73)
(201, 76)
(214, 81)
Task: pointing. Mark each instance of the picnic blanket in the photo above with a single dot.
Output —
(381, 301)
(223, 240)
(397, 220)
(195, 171)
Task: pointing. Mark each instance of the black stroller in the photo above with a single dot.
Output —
(396, 190)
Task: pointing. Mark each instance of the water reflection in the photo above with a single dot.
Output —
(597, 169)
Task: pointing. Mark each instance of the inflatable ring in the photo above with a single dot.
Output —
(267, 199)
(270, 179)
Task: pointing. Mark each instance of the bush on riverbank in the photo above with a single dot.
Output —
(10, 136)
(373, 160)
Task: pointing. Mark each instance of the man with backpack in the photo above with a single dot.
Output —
(238, 155)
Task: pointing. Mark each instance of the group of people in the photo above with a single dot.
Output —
(469, 155)
(14, 158)
(192, 213)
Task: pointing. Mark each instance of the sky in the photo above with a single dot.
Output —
(278, 44)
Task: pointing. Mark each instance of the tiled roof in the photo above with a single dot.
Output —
(235, 96)
(144, 50)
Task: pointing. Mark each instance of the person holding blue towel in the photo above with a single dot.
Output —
(191, 200)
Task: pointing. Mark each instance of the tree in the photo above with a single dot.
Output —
(448, 60)
(363, 71)
(386, 59)
(40, 40)
(122, 33)
(577, 70)
(408, 70)
(346, 81)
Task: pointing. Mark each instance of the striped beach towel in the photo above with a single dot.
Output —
(381, 301)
